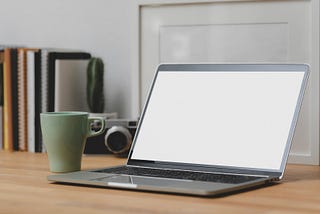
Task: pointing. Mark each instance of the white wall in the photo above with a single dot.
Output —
(101, 27)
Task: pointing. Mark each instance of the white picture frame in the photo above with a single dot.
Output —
(306, 151)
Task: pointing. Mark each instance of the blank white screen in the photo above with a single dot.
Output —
(237, 119)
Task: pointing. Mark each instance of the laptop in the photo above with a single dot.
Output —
(209, 129)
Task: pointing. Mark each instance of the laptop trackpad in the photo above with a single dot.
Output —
(127, 181)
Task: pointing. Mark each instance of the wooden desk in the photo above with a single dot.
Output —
(25, 189)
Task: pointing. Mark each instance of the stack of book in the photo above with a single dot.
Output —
(35, 80)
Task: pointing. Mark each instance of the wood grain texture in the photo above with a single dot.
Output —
(24, 189)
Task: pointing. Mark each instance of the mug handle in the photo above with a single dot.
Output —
(100, 131)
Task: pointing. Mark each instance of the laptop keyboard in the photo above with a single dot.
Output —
(177, 174)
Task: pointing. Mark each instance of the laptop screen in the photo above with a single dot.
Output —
(221, 118)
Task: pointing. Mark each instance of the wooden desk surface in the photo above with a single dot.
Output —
(25, 189)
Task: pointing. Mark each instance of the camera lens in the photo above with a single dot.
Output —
(118, 139)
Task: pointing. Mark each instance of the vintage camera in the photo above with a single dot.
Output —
(119, 135)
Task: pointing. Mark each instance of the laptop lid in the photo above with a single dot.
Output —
(220, 117)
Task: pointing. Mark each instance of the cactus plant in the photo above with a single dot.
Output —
(95, 96)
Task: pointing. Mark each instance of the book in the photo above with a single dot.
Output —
(1, 76)
(45, 79)
(38, 136)
(22, 100)
(70, 85)
(14, 91)
(1, 127)
(7, 101)
(21, 103)
(1, 98)
(52, 57)
(31, 101)
(34, 99)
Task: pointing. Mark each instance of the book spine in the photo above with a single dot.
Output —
(7, 102)
(44, 80)
(44, 91)
(22, 118)
(1, 127)
(25, 100)
(51, 81)
(1, 99)
(30, 101)
(39, 146)
(14, 88)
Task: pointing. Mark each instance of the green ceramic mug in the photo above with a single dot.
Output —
(64, 135)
